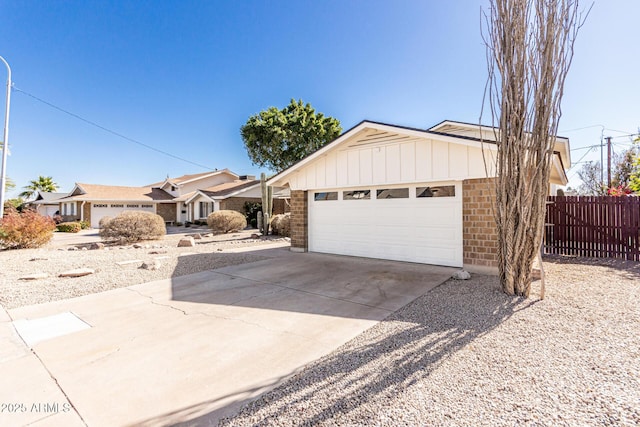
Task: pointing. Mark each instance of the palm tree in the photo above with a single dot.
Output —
(9, 184)
(43, 183)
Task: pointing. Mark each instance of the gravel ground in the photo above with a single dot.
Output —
(465, 354)
(209, 253)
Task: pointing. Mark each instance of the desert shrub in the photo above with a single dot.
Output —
(253, 222)
(226, 221)
(103, 221)
(133, 226)
(69, 227)
(179, 224)
(85, 225)
(26, 229)
(57, 219)
(281, 224)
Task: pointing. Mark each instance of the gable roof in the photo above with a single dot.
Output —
(223, 191)
(473, 131)
(400, 132)
(184, 179)
(113, 192)
(46, 197)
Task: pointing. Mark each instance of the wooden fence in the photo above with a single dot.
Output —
(599, 227)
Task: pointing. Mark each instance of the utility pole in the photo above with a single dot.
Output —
(608, 161)
(5, 141)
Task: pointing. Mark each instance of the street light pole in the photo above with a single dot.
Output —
(5, 141)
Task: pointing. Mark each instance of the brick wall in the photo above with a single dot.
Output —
(237, 203)
(167, 211)
(86, 214)
(480, 237)
(299, 217)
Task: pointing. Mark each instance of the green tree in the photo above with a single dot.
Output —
(634, 180)
(43, 183)
(9, 184)
(279, 138)
(623, 168)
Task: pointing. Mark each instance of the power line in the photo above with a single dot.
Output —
(119, 135)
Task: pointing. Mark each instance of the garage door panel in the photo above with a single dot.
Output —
(425, 230)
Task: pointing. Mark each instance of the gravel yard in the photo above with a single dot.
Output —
(209, 253)
(466, 354)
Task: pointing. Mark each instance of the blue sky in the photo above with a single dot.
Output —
(183, 76)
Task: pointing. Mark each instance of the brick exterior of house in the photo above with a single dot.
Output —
(479, 232)
(480, 237)
(299, 221)
(86, 214)
(167, 211)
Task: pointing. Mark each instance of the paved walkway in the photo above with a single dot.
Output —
(193, 348)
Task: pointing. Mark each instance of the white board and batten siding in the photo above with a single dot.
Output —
(388, 159)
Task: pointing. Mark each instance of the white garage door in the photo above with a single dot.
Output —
(100, 210)
(418, 223)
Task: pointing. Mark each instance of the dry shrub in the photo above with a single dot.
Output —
(226, 221)
(281, 224)
(69, 227)
(133, 226)
(103, 221)
(25, 230)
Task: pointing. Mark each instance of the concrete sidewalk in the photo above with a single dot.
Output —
(195, 348)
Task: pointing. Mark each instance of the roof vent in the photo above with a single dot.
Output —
(246, 177)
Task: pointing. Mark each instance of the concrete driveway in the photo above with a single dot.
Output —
(193, 349)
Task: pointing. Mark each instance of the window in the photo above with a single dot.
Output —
(442, 191)
(393, 193)
(69, 208)
(205, 209)
(331, 195)
(99, 206)
(133, 206)
(356, 195)
(117, 206)
(146, 206)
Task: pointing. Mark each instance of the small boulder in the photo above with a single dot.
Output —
(137, 246)
(78, 272)
(461, 275)
(95, 246)
(84, 248)
(158, 252)
(151, 265)
(186, 242)
(196, 236)
(72, 248)
(36, 276)
(255, 236)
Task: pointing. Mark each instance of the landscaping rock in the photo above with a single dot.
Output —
(255, 236)
(196, 236)
(461, 275)
(95, 246)
(72, 248)
(36, 276)
(38, 259)
(138, 246)
(78, 272)
(186, 242)
(157, 252)
(151, 265)
(131, 261)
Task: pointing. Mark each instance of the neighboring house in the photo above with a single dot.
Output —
(46, 203)
(185, 198)
(391, 192)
